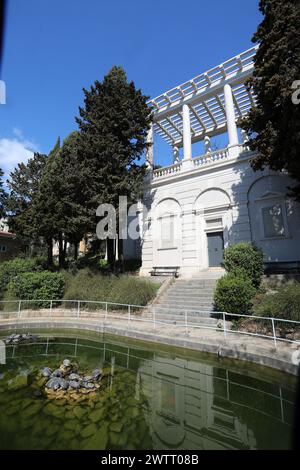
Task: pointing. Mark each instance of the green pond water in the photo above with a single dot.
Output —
(151, 397)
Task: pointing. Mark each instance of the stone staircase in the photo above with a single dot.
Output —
(189, 298)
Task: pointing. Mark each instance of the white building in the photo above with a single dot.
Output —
(200, 204)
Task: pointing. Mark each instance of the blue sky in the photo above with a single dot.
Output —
(53, 48)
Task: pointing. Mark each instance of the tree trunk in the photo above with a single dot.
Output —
(65, 250)
(50, 253)
(61, 252)
(111, 253)
(76, 246)
(121, 254)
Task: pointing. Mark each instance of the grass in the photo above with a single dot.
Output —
(88, 285)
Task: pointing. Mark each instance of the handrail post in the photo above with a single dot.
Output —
(50, 313)
(186, 324)
(19, 309)
(274, 333)
(154, 322)
(106, 311)
(224, 325)
(128, 316)
(78, 309)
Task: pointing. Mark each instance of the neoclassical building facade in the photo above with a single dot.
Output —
(200, 204)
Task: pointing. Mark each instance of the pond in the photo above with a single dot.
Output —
(150, 397)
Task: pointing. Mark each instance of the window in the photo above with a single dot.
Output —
(167, 397)
(273, 221)
(167, 231)
(3, 248)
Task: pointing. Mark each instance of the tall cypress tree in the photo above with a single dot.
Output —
(273, 126)
(59, 206)
(23, 184)
(47, 206)
(113, 127)
(3, 196)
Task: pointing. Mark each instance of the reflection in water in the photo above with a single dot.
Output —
(193, 402)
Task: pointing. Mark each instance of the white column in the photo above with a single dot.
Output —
(244, 136)
(176, 157)
(230, 116)
(149, 151)
(187, 141)
(207, 144)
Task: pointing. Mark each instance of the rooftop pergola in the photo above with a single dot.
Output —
(207, 105)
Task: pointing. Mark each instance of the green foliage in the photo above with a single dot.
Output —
(10, 269)
(273, 125)
(59, 205)
(3, 196)
(234, 293)
(245, 257)
(88, 285)
(113, 128)
(285, 303)
(23, 184)
(37, 285)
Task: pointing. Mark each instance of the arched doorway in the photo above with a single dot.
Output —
(213, 220)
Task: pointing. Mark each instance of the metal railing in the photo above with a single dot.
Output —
(275, 329)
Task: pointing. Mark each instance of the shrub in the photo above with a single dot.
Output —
(247, 257)
(285, 303)
(10, 269)
(233, 293)
(37, 285)
(88, 285)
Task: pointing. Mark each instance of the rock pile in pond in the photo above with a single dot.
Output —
(67, 379)
(20, 338)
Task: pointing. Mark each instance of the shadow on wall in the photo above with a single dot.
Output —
(264, 214)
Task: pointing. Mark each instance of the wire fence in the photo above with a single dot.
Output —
(275, 329)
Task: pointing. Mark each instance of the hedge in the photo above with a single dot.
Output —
(247, 257)
(37, 285)
(234, 292)
(10, 269)
(285, 303)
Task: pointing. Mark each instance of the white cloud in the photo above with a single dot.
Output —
(14, 151)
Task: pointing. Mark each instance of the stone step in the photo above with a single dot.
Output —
(205, 321)
(184, 303)
(192, 299)
(208, 285)
(189, 295)
(204, 282)
(190, 291)
(203, 312)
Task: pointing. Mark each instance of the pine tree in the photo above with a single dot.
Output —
(23, 184)
(3, 196)
(47, 208)
(273, 126)
(59, 204)
(113, 128)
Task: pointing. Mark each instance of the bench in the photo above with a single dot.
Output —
(165, 271)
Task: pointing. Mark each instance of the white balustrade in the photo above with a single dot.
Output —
(197, 162)
(210, 157)
(167, 170)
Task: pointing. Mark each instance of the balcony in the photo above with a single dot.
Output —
(209, 159)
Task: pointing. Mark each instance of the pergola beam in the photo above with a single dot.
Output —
(203, 95)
